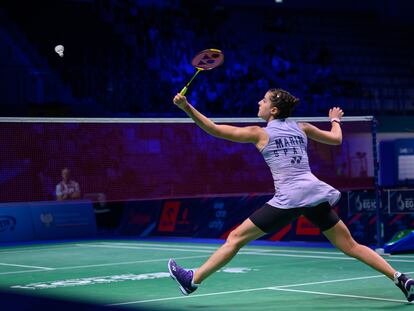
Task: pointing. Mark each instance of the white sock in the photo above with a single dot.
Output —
(192, 282)
(396, 276)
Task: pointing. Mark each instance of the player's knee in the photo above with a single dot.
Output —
(235, 240)
(350, 248)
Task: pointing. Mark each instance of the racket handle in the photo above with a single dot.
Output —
(183, 91)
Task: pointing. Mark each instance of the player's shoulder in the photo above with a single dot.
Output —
(256, 129)
(304, 126)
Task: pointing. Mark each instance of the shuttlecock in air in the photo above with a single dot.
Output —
(59, 49)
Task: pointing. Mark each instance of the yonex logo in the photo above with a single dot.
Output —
(7, 223)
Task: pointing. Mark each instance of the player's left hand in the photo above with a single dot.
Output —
(336, 112)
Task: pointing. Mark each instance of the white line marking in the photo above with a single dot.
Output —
(192, 296)
(24, 266)
(23, 250)
(330, 281)
(314, 256)
(24, 271)
(218, 245)
(105, 264)
(149, 248)
(339, 295)
(298, 256)
(128, 262)
(242, 252)
(250, 290)
(254, 249)
(160, 245)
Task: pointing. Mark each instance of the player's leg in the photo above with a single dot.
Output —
(264, 220)
(338, 234)
(341, 238)
(238, 238)
(189, 280)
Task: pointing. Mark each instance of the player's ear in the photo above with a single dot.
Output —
(274, 111)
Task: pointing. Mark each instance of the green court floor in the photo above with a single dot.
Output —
(134, 274)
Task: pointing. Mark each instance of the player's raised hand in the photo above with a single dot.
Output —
(180, 101)
(336, 113)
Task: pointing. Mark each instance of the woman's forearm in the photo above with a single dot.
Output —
(201, 120)
(337, 132)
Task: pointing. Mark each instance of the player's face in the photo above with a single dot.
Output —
(264, 107)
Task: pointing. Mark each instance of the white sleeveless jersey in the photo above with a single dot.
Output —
(286, 155)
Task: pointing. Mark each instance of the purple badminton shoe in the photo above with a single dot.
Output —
(183, 277)
(406, 285)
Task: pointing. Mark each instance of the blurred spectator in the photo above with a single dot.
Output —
(67, 189)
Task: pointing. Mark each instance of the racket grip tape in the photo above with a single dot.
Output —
(183, 91)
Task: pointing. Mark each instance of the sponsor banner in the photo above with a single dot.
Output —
(68, 219)
(216, 217)
(178, 217)
(169, 214)
(219, 216)
(140, 217)
(15, 223)
(401, 201)
(364, 201)
(404, 149)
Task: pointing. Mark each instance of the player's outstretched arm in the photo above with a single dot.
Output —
(332, 137)
(248, 134)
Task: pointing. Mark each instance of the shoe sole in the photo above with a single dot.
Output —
(183, 291)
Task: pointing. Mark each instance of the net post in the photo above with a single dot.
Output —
(377, 189)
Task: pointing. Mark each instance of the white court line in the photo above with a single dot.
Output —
(296, 256)
(105, 264)
(214, 248)
(339, 295)
(246, 290)
(127, 262)
(149, 248)
(313, 256)
(190, 247)
(24, 271)
(24, 266)
(24, 250)
(186, 297)
(242, 252)
(160, 245)
(254, 249)
(174, 249)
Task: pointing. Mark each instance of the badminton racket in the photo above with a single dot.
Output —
(204, 60)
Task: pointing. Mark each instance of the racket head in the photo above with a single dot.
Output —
(208, 59)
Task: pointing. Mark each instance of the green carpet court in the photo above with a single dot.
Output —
(134, 274)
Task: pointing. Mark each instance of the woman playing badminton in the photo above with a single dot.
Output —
(297, 191)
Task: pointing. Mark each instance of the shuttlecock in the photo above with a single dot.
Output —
(59, 49)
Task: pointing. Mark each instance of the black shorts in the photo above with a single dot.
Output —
(271, 219)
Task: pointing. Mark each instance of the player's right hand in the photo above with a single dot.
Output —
(180, 101)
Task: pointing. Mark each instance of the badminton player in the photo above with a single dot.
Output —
(297, 191)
